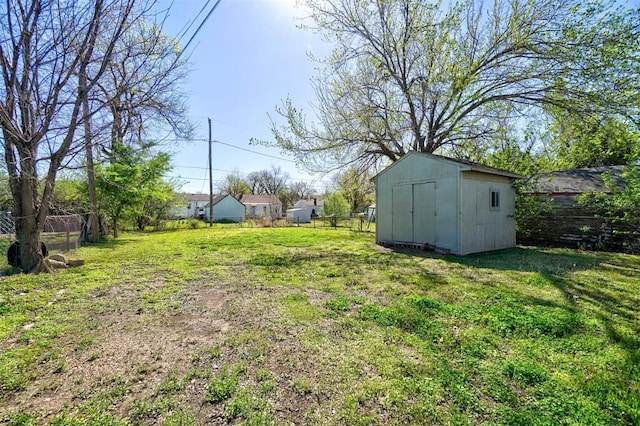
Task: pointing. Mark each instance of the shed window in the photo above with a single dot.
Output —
(495, 199)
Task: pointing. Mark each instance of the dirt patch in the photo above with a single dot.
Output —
(128, 345)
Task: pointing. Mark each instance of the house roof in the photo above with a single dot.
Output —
(255, 199)
(576, 181)
(217, 199)
(466, 166)
(196, 197)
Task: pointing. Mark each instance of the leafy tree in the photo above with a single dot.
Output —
(335, 207)
(444, 76)
(157, 205)
(356, 187)
(130, 180)
(234, 184)
(592, 140)
(70, 195)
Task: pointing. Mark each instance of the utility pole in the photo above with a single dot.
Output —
(210, 180)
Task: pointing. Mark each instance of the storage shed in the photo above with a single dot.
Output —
(298, 215)
(453, 206)
(225, 208)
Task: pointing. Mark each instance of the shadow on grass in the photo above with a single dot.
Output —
(110, 243)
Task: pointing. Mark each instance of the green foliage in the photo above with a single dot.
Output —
(592, 140)
(336, 207)
(529, 208)
(131, 180)
(356, 187)
(70, 195)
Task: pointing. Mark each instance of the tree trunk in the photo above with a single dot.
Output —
(91, 176)
(29, 221)
(31, 259)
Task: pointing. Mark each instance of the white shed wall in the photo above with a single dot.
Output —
(484, 228)
(227, 208)
(417, 203)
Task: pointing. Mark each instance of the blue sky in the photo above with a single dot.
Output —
(247, 58)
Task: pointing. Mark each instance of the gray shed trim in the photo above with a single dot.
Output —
(465, 166)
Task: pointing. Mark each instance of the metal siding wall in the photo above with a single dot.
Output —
(229, 209)
(484, 229)
(417, 169)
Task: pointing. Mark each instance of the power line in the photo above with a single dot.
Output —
(254, 152)
(201, 25)
(190, 24)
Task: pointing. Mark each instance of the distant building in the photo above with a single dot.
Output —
(312, 206)
(567, 222)
(261, 206)
(226, 208)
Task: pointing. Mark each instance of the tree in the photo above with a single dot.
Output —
(413, 75)
(234, 184)
(48, 62)
(592, 140)
(142, 85)
(133, 178)
(157, 205)
(335, 207)
(272, 181)
(356, 187)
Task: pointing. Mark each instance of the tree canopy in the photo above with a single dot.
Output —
(439, 76)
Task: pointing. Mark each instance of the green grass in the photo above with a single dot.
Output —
(320, 326)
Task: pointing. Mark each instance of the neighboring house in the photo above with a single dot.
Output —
(259, 206)
(226, 208)
(567, 222)
(311, 207)
(429, 201)
(193, 206)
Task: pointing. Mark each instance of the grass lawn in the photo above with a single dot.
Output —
(320, 326)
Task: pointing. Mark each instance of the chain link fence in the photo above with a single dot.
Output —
(61, 233)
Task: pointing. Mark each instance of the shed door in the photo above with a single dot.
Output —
(402, 213)
(424, 213)
(414, 213)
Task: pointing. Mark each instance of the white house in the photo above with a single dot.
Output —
(191, 206)
(259, 206)
(449, 205)
(312, 207)
(226, 207)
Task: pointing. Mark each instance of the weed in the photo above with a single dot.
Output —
(222, 387)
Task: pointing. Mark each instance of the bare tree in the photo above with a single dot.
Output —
(49, 62)
(437, 76)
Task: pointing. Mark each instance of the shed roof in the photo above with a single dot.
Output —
(218, 198)
(576, 181)
(466, 166)
(255, 199)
